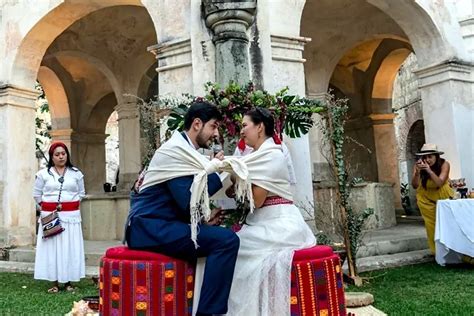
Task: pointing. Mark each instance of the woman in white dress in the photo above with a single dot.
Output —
(60, 187)
(276, 228)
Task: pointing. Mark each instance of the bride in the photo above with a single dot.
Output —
(271, 234)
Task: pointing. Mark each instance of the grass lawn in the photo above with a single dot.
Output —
(424, 289)
(21, 295)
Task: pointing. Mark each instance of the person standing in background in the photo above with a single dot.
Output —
(430, 179)
(60, 246)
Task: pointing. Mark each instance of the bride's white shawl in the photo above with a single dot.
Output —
(267, 169)
(176, 158)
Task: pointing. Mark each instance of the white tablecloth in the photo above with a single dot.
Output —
(454, 232)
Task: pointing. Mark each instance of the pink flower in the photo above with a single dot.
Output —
(236, 227)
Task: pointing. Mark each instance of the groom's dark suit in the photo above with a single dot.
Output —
(159, 221)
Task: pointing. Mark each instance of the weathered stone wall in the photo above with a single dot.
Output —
(409, 127)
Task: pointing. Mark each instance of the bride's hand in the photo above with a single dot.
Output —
(217, 216)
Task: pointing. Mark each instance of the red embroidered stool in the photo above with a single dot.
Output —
(316, 283)
(140, 283)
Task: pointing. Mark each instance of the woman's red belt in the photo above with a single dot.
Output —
(65, 206)
(275, 200)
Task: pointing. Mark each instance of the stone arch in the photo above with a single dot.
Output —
(429, 28)
(409, 21)
(97, 64)
(382, 88)
(415, 139)
(35, 43)
(148, 86)
(101, 112)
(57, 98)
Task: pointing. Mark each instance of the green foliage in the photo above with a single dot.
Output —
(332, 128)
(406, 203)
(153, 114)
(323, 239)
(292, 114)
(42, 127)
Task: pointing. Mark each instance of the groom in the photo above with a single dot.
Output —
(159, 219)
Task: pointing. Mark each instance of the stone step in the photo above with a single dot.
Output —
(29, 267)
(93, 251)
(392, 260)
(398, 239)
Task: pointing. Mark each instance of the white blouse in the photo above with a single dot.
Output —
(47, 186)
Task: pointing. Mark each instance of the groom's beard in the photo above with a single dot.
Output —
(202, 141)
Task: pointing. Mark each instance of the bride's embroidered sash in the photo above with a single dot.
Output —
(275, 200)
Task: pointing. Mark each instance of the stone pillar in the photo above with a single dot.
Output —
(386, 152)
(175, 72)
(448, 113)
(62, 135)
(229, 21)
(129, 144)
(17, 165)
(89, 157)
(288, 70)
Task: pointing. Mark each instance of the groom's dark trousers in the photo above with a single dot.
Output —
(159, 221)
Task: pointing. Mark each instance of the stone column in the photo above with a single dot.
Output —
(89, 157)
(288, 70)
(62, 135)
(129, 144)
(448, 113)
(386, 152)
(17, 165)
(175, 72)
(229, 21)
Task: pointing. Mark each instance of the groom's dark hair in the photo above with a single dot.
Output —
(202, 110)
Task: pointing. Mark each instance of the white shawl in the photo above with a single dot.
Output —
(267, 169)
(176, 159)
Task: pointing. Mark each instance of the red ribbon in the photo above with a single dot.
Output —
(241, 145)
(276, 139)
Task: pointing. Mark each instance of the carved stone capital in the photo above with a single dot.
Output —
(61, 134)
(127, 111)
(228, 19)
(18, 97)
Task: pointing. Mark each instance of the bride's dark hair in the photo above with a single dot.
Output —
(261, 115)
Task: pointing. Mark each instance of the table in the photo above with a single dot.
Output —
(454, 231)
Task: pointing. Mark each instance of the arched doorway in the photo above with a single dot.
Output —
(358, 47)
(86, 55)
(88, 70)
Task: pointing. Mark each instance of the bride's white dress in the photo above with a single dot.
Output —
(261, 284)
(262, 276)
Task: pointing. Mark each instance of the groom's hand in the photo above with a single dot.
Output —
(230, 192)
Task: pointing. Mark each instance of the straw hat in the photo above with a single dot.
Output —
(429, 149)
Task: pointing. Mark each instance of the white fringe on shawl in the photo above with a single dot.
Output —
(176, 158)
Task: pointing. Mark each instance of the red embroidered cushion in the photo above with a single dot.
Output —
(316, 252)
(125, 253)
